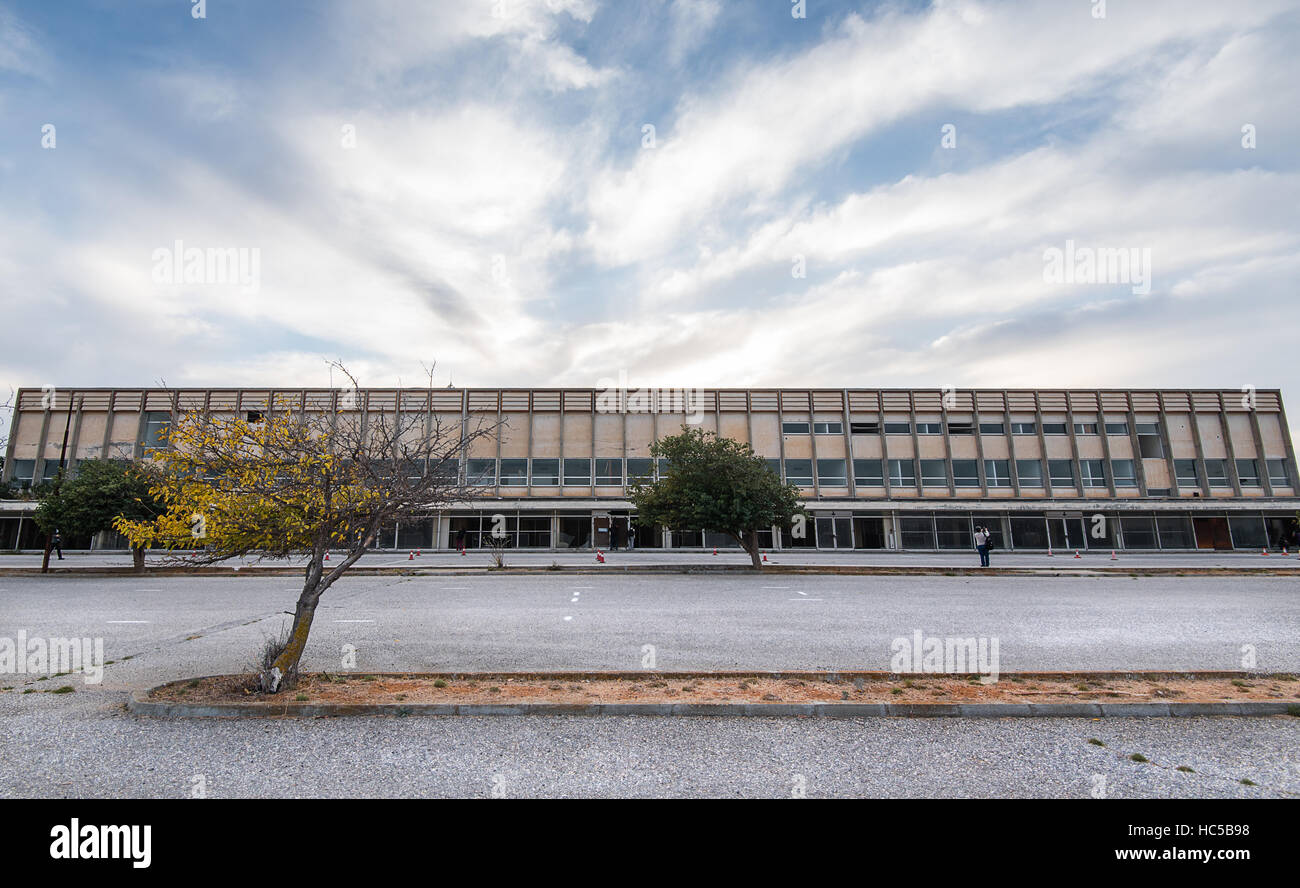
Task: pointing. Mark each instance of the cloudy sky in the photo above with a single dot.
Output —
(694, 192)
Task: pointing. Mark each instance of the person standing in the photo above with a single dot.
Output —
(56, 543)
(982, 545)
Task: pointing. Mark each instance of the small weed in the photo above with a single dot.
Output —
(66, 689)
(1095, 742)
(1184, 769)
(301, 698)
(1138, 757)
(1246, 781)
(896, 690)
(441, 683)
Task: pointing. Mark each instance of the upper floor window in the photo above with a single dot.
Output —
(1024, 428)
(992, 428)
(1053, 428)
(1085, 428)
(514, 473)
(794, 428)
(1093, 472)
(898, 428)
(1277, 473)
(965, 473)
(481, 472)
(577, 472)
(1248, 472)
(828, 428)
(934, 473)
(832, 473)
(868, 473)
(1216, 471)
(997, 472)
(1060, 472)
(155, 429)
(864, 428)
(1117, 428)
(639, 468)
(609, 471)
(1030, 472)
(902, 473)
(1125, 472)
(799, 472)
(961, 428)
(929, 428)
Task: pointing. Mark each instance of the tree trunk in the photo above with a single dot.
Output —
(137, 558)
(750, 543)
(285, 665)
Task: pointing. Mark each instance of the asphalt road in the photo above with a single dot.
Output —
(693, 621)
(84, 744)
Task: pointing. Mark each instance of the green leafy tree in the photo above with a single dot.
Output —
(715, 485)
(101, 492)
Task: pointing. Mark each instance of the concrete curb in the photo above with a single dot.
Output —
(141, 704)
(770, 569)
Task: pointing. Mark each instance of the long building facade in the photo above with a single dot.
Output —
(900, 469)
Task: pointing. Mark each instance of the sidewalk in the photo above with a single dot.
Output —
(1094, 560)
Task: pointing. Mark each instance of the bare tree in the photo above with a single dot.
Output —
(304, 482)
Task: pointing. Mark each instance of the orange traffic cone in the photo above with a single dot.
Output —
(417, 553)
(410, 556)
(600, 557)
(327, 556)
(1113, 556)
(1263, 551)
(1076, 554)
(1049, 551)
(765, 556)
(715, 550)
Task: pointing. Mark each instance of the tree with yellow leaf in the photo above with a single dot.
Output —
(300, 482)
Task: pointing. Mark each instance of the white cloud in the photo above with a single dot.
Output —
(772, 121)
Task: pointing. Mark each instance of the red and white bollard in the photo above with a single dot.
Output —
(327, 556)
(765, 557)
(1113, 557)
(715, 551)
(600, 557)
(1076, 554)
(1049, 552)
(410, 556)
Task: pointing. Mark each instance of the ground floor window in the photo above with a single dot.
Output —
(1139, 532)
(1248, 532)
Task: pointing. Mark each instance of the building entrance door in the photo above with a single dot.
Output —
(869, 533)
(600, 531)
(1212, 533)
